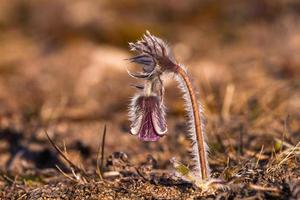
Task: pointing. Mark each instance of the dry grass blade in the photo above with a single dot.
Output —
(259, 156)
(7, 178)
(102, 146)
(228, 101)
(100, 165)
(65, 174)
(265, 189)
(22, 197)
(60, 152)
(283, 157)
(141, 174)
(290, 152)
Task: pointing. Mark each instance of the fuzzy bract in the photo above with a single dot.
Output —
(154, 56)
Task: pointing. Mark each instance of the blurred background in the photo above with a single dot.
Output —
(63, 68)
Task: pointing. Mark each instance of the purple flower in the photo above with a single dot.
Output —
(147, 117)
(147, 111)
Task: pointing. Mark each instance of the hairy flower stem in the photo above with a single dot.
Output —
(197, 122)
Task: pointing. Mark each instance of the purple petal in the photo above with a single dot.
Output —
(159, 121)
(149, 123)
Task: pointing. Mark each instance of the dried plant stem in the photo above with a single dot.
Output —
(262, 188)
(101, 152)
(197, 122)
(64, 156)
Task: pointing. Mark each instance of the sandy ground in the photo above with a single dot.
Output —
(69, 77)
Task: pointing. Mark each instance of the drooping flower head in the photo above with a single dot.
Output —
(147, 113)
(149, 123)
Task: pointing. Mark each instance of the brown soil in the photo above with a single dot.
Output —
(64, 72)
